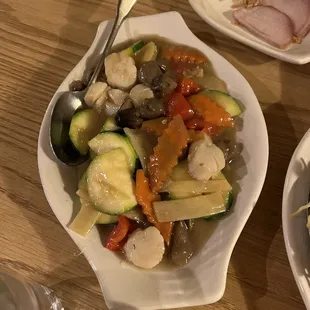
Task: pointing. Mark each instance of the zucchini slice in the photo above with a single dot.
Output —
(107, 219)
(189, 208)
(107, 141)
(142, 143)
(180, 172)
(88, 216)
(110, 183)
(110, 125)
(130, 51)
(224, 100)
(84, 125)
(92, 154)
(146, 53)
(228, 198)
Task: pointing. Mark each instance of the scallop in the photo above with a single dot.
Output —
(145, 248)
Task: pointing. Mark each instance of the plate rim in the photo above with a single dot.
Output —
(271, 51)
(287, 186)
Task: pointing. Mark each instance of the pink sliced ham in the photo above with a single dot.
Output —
(268, 23)
(297, 10)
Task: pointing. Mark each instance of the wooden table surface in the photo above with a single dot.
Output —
(41, 41)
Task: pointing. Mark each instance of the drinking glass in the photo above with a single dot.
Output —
(16, 293)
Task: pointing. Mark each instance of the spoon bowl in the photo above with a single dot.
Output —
(67, 104)
(70, 102)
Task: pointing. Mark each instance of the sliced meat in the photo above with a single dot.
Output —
(297, 10)
(267, 23)
(245, 3)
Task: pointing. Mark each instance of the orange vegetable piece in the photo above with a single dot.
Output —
(212, 130)
(177, 104)
(210, 111)
(166, 153)
(195, 123)
(198, 123)
(183, 54)
(117, 236)
(187, 86)
(156, 126)
(145, 198)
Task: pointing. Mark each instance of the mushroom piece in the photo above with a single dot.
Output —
(181, 248)
(77, 85)
(129, 118)
(168, 85)
(139, 93)
(152, 108)
(149, 72)
(230, 149)
(136, 215)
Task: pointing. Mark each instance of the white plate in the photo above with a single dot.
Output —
(296, 235)
(203, 280)
(218, 14)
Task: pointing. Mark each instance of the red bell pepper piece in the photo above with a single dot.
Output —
(117, 237)
(187, 86)
(178, 105)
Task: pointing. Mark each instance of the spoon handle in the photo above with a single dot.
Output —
(123, 9)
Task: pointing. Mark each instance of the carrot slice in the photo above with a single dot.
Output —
(145, 198)
(183, 54)
(156, 126)
(177, 104)
(210, 111)
(166, 153)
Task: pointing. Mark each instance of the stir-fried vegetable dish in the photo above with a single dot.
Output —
(160, 130)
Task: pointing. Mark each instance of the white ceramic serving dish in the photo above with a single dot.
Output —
(203, 280)
(218, 14)
(296, 235)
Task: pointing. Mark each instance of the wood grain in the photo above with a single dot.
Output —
(41, 41)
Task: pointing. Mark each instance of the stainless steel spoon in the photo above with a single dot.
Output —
(69, 102)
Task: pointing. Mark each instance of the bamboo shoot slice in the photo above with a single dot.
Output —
(189, 208)
(186, 189)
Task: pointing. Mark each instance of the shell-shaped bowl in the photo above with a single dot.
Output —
(203, 280)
